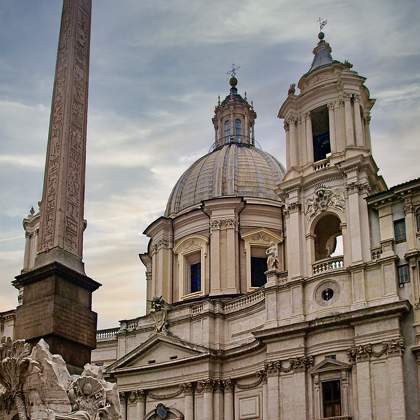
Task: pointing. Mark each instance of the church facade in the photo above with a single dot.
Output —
(279, 293)
(276, 293)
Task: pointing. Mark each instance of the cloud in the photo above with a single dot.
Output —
(157, 68)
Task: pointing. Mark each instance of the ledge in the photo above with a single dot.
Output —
(332, 320)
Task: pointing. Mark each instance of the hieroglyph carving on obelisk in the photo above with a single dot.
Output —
(61, 226)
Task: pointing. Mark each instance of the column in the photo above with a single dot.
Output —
(331, 119)
(27, 254)
(410, 223)
(303, 159)
(231, 237)
(265, 399)
(208, 399)
(228, 400)
(218, 400)
(287, 131)
(188, 401)
(300, 398)
(123, 404)
(141, 405)
(367, 130)
(363, 390)
(215, 286)
(348, 120)
(309, 138)
(358, 121)
(273, 392)
(294, 158)
(397, 403)
(294, 233)
(354, 222)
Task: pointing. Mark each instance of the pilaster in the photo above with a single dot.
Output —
(358, 121)
(228, 399)
(309, 139)
(188, 401)
(331, 119)
(348, 120)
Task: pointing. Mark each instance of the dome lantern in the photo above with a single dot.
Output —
(234, 117)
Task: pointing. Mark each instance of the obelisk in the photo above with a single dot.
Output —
(57, 293)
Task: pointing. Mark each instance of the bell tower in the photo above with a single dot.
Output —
(330, 169)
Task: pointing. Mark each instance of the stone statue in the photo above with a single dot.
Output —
(36, 385)
(159, 312)
(272, 253)
(14, 365)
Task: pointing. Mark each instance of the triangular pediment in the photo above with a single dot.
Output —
(159, 350)
(329, 364)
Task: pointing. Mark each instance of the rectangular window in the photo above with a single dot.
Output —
(331, 398)
(418, 220)
(399, 230)
(403, 275)
(258, 269)
(195, 276)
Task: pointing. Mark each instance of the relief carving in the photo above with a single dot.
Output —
(365, 352)
(67, 172)
(322, 199)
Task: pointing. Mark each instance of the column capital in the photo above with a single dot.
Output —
(347, 96)
(408, 205)
(188, 388)
(228, 385)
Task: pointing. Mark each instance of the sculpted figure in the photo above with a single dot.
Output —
(272, 253)
(159, 312)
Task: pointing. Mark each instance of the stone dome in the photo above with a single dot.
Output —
(234, 170)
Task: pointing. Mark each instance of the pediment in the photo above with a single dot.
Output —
(262, 236)
(329, 364)
(158, 350)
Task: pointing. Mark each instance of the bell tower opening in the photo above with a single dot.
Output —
(321, 133)
(328, 237)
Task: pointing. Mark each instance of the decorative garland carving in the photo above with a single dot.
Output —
(287, 366)
(167, 396)
(365, 352)
(322, 199)
(261, 377)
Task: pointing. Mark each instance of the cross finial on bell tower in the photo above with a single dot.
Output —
(233, 71)
(322, 23)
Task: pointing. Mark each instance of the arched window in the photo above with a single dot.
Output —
(328, 238)
(227, 128)
(238, 129)
(321, 133)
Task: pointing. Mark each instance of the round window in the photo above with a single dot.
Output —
(327, 294)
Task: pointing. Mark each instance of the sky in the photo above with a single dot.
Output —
(157, 67)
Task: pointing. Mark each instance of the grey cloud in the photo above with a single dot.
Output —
(157, 68)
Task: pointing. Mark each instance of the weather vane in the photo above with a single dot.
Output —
(232, 72)
(322, 23)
